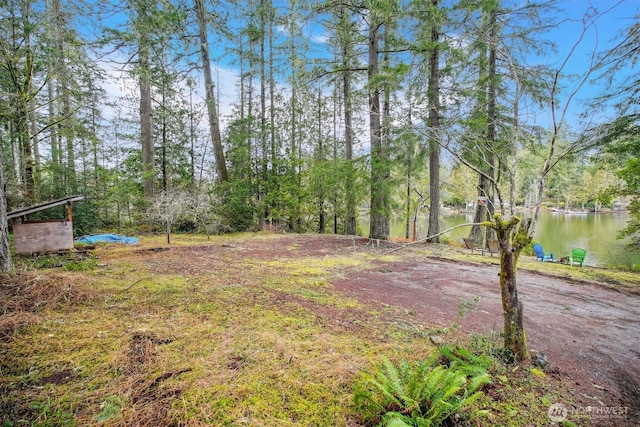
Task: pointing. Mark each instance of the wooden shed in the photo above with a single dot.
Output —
(43, 236)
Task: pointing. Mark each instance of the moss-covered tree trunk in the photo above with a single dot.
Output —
(511, 245)
(6, 265)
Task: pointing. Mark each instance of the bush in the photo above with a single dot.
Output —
(424, 393)
(237, 211)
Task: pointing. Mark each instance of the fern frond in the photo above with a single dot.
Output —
(396, 419)
(391, 377)
(475, 383)
(423, 395)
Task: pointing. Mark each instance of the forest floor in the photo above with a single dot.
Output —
(273, 329)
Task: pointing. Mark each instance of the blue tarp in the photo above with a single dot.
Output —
(109, 238)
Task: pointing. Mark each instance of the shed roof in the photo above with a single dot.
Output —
(42, 206)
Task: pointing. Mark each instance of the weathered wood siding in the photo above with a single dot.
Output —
(33, 237)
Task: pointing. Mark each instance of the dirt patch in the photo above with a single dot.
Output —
(58, 378)
(588, 332)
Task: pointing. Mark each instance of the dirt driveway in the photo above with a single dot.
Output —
(590, 333)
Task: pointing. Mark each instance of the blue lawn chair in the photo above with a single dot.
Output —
(537, 248)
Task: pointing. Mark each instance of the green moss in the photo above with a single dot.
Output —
(69, 261)
(268, 343)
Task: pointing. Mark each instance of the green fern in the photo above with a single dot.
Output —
(466, 361)
(421, 394)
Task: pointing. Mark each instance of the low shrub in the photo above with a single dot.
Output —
(424, 393)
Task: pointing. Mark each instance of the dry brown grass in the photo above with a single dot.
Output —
(204, 332)
(24, 295)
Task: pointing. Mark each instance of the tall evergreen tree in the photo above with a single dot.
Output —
(345, 39)
(434, 124)
(142, 28)
(621, 134)
(20, 40)
(214, 125)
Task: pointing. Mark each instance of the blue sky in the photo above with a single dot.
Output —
(599, 36)
(612, 17)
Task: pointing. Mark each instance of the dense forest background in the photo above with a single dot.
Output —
(246, 114)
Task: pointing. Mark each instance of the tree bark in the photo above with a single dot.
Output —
(146, 124)
(511, 245)
(434, 126)
(296, 135)
(485, 210)
(379, 219)
(492, 116)
(6, 265)
(25, 92)
(214, 124)
(263, 111)
(320, 158)
(66, 127)
(407, 225)
(351, 221)
(163, 146)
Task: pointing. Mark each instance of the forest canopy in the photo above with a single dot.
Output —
(250, 114)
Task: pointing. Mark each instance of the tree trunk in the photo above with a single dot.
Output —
(515, 340)
(6, 266)
(263, 111)
(492, 116)
(192, 138)
(146, 124)
(163, 161)
(481, 212)
(35, 142)
(54, 138)
(320, 158)
(485, 208)
(434, 126)
(25, 93)
(407, 226)
(214, 125)
(334, 143)
(379, 219)
(351, 221)
(24, 138)
(296, 139)
(67, 125)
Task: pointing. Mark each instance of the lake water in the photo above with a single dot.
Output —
(556, 232)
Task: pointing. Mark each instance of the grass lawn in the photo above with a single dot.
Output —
(215, 333)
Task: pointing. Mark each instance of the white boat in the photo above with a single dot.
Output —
(567, 212)
(575, 212)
